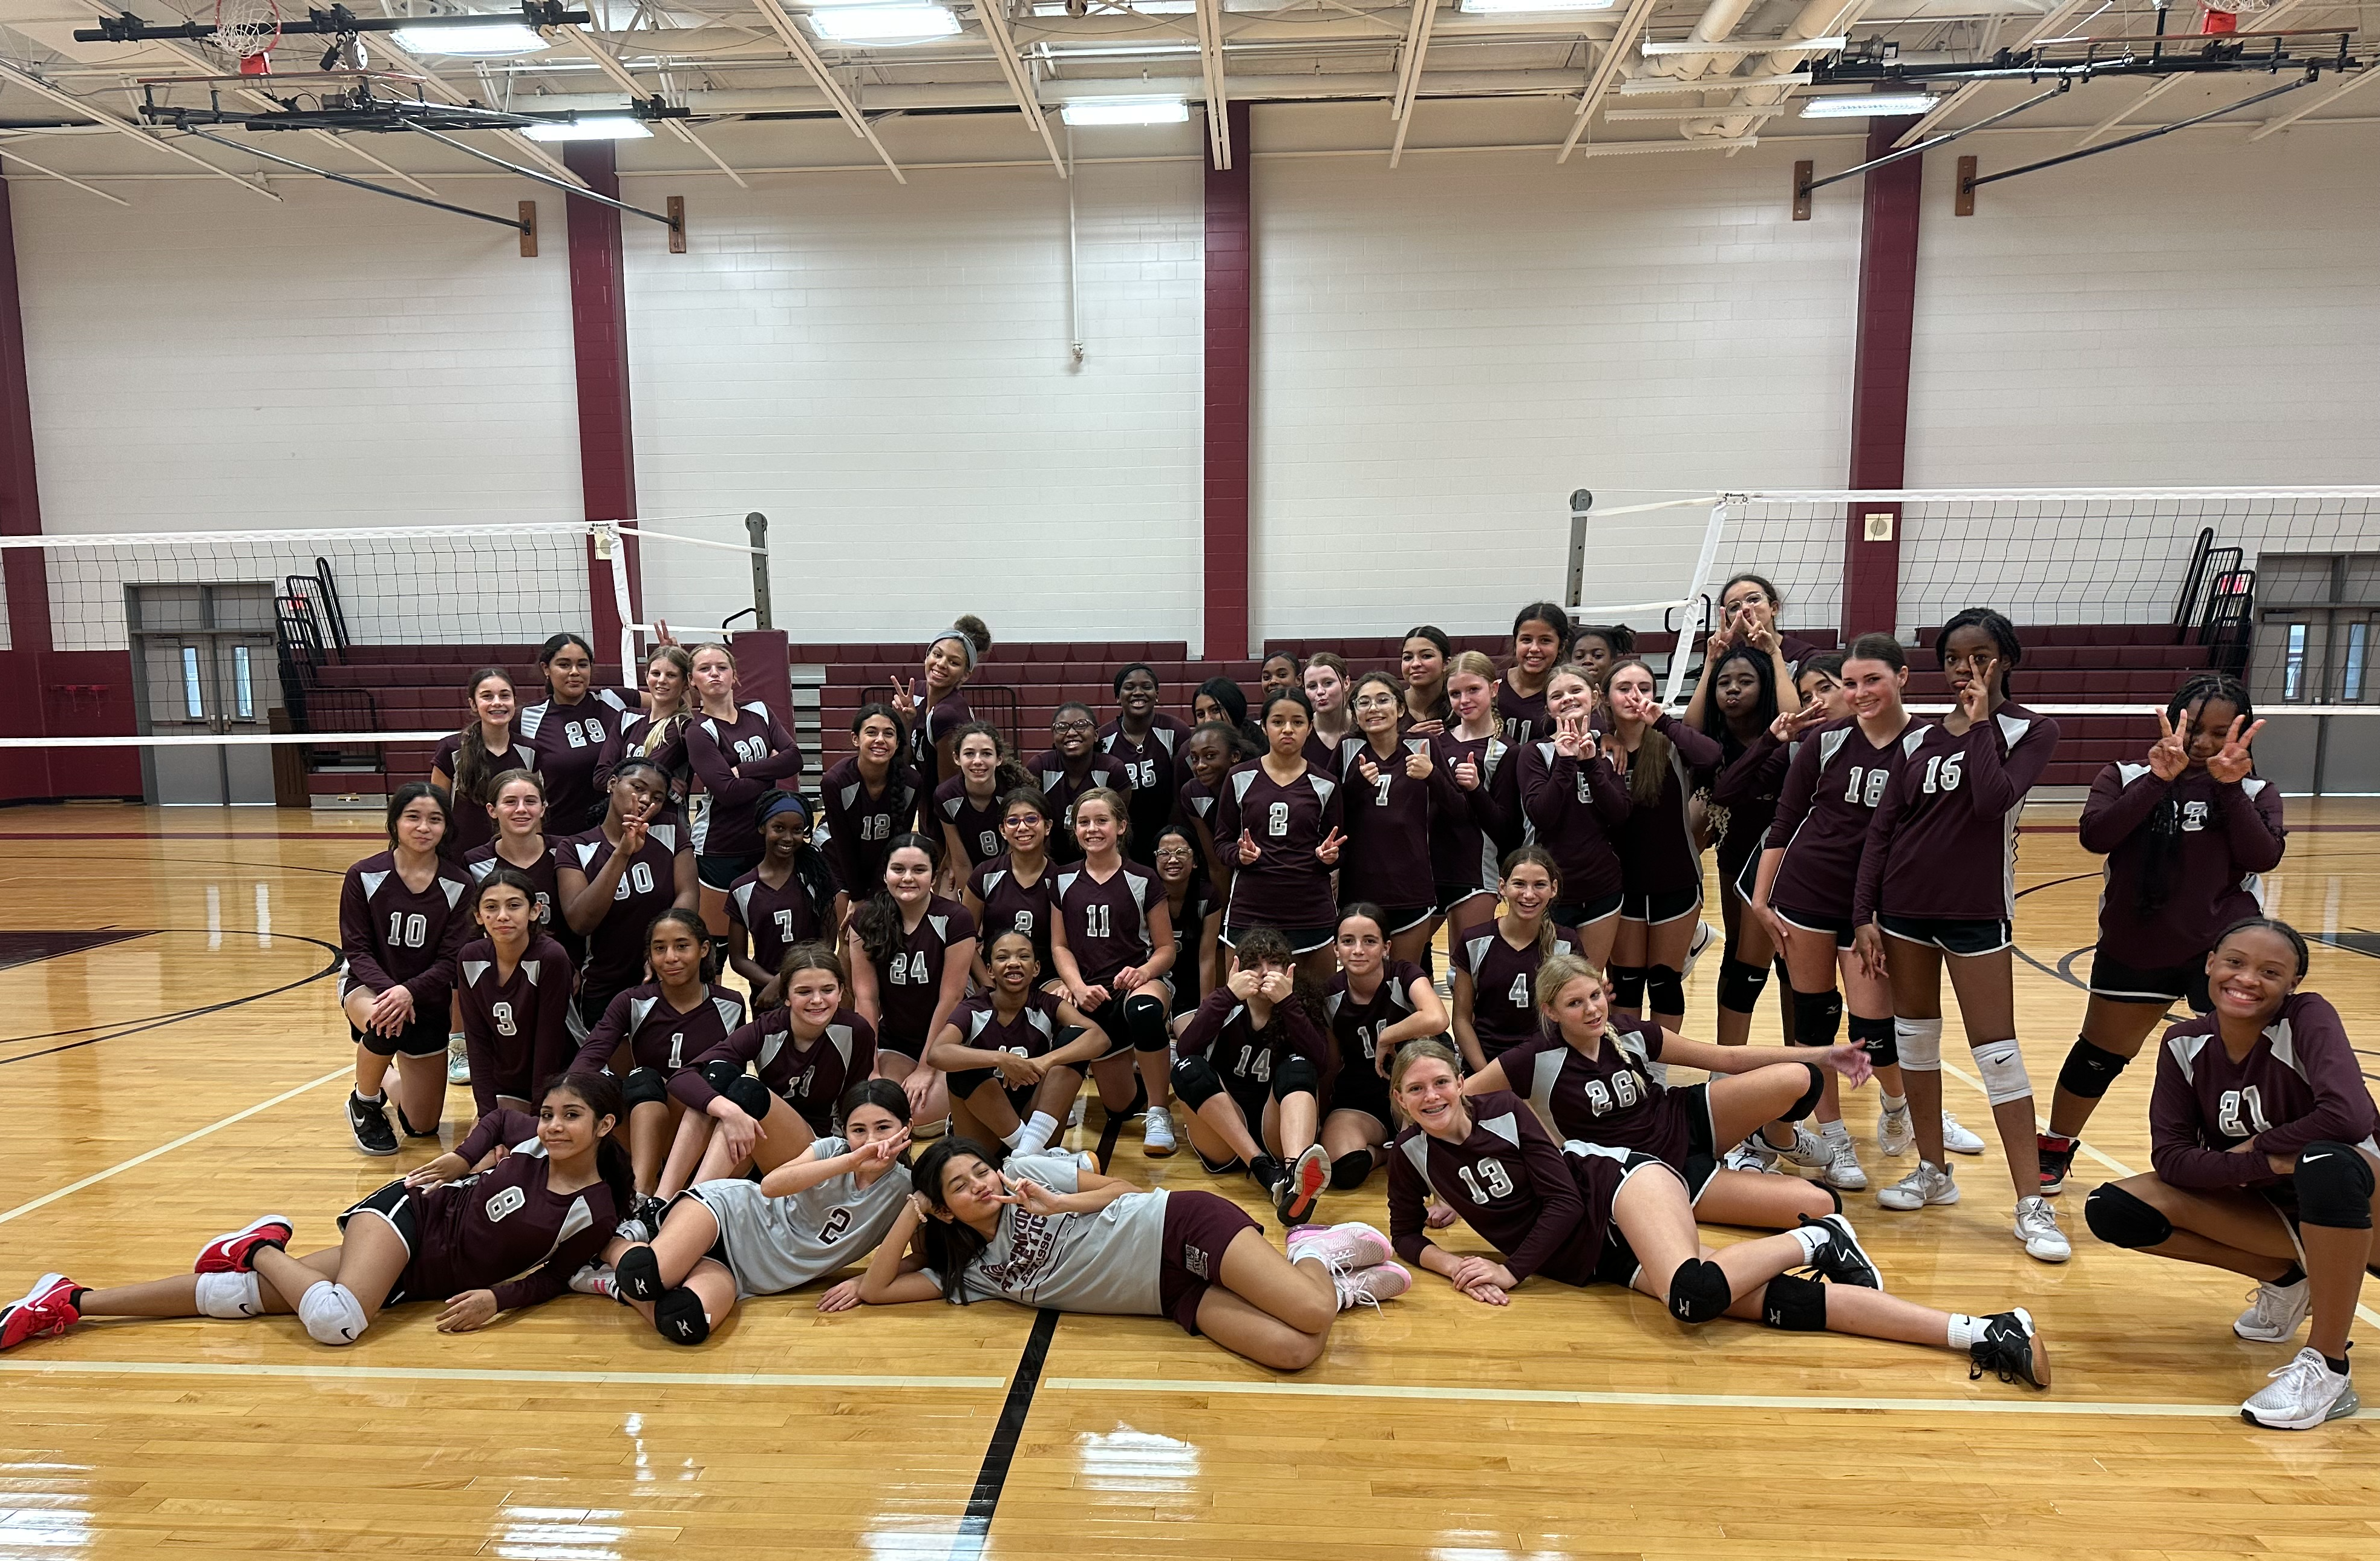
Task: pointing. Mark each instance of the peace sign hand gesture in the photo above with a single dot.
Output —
(2232, 764)
(1327, 853)
(2170, 755)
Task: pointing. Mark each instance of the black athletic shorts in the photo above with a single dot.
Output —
(1359, 1087)
(967, 1081)
(1638, 905)
(2166, 984)
(1302, 941)
(1579, 913)
(1452, 894)
(719, 872)
(1702, 1141)
(1837, 927)
(1404, 918)
(395, 1205)
(425, 1037)
(1949, 933)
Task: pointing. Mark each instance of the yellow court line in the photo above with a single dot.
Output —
(46, 1198)
(447, 1373)
(2029, 1406)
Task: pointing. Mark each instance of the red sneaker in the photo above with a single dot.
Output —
(236, 1252)
(47, 1308)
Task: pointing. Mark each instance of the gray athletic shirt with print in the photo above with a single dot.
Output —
(779, 1244)
(1107, 1262)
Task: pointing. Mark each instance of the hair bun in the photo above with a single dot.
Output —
(972, 627)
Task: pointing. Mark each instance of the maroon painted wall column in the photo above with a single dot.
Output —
(1888, 309)
(599, 335)
(20, 499)
(1231, 276)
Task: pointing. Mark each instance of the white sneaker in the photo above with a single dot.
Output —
(1745, 1157)
(594, 1279)
(1957, 1139)
(2304, 1393)
(2036, 1227)
(2277, 1313)
(1843, 1172)
(458, 1063)
(1808, 1149)
(1074, 1112)
(1928, 1184)
(1156, 1132)
(1895, 1132)
(1341, 1246)
(1705, 933)
(1370, 1287)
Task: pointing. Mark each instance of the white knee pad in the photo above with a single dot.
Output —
(2002, 1066)
(1919, 1042)
(332, 1313)
(229, 1295)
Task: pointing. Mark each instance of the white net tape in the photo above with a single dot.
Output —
(246, 27)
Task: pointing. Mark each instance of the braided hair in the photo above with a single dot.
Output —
(2181, 712)
(2011, 651)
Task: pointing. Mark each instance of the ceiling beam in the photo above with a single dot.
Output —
(609, 64)
(2332, 96)
(14, 155)
(40, 88)
(383, 48)
(1210, 65)
(798, 44)
(1607, 69)
(2052, 24)
(994, 15)
(2266, 20)
(1400, 107)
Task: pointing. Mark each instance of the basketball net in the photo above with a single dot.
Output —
(247, 30)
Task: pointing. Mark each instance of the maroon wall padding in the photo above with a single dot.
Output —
(1888, 309)
(68, 694)
(20, 497)
(1231, 276)
(762, 673)
(599, 339)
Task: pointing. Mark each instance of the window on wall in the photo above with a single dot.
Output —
(2351, 675)
(194, 704)
(2293, 663)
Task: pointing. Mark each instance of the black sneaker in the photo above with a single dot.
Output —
(1842, 1260)
(369, 1121)
(1300, 1188)
(2057, 1160)
(1269, 1173)
(2011, 1349)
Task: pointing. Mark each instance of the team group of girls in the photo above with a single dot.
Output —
(1239, 911)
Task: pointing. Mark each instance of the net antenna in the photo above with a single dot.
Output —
(247, 30)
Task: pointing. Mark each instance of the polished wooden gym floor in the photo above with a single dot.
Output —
(174, 1065)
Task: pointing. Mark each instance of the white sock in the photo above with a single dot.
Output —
(1811, 1238)
(1035, 1136)
(375, 1098)
(1015, 1137)
(1837, 1131)
(1896, 1102)
(1964, 1330)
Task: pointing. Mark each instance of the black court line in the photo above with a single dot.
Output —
(31, 946)
(992, 1478)
(158, 1021)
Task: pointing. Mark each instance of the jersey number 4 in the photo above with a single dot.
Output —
(1492, 1172)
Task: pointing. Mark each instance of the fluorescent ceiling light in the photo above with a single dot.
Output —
(592, 126)
(1868, 107)
(1124, 110)
(493, 41)
(1523, 8)
(884, 24)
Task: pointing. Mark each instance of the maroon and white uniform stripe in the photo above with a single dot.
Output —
(810, 1078)
(2300, 1083)
(1943, 842)
(2228, 835)
(393, 937)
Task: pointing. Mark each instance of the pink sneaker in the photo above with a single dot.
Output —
(1370, 1287)
(236, 1252)
(47, 1309)
(1342, 1247)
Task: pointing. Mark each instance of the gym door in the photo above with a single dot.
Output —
(208, 667)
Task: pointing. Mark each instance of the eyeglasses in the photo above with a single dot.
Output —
(1175, 853)
(1070, 725)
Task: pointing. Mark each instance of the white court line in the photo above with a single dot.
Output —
(2116, 1165)
(445, 1373)
(1649, 1400)
(342, 1071)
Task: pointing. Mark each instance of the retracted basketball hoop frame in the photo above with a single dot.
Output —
(2062, 62)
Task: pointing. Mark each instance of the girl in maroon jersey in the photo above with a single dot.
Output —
(738, 755)
(1252, 1068)
(1665, 761)
(481, 1230)
(910, 951)
(517, 804)
(1328, 685)
(2261, 1110)
(967, 805)
(1540, 637)
(801, 1057)
(1011, 891)
(2187, 835)
(788, 898)
(1842, 761)
(570, 728)
(1195, 912)
(1395, 790)
(1467, 844)
(1495, 962)
(1374, 1004)
(1221, 699)
(1739, 705)
(401, 918)
(1748, 606)
(651, 1033)
(867, 799)
(1071, 766)
(469, 762)
(1590, 1074)
(1576, 801)
(1215, 748)
(1148, 743)
(1015, 1054)
(658, 731)
(1583, 1213)
(1284, 815)
(938, 704)
(512, 995)
(1279, 671)
(1596, 649)
(1422, 665)
(613, 881)
(1937, 880)
(1112, 947)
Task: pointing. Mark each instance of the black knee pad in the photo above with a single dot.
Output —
(1831, 1193)
(1195, 1082)
(1699, 1291)
(1143, 1023)
(1295, 1076)
(410, 1130)
(1816, 1017)
(721, 1075)
(679, 1318)
(1665, 989)
(2089, 1070)
(644, 1086)
(750, 1094)
(2334, 1186)
(1740, 985)
(2119, 1219)
(1627, 985)
(1351, 1171)
(1875, 1038)
(1794, 1304)
(639, 1274)
(1809, 1101)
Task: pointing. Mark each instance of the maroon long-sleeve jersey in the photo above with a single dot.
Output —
(2225, 837)
(1943, 841)
(2300, 1083)
(1510, 1182)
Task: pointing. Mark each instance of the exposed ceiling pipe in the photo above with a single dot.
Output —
(881, 97)
(1819, 19)
(1720, 20)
